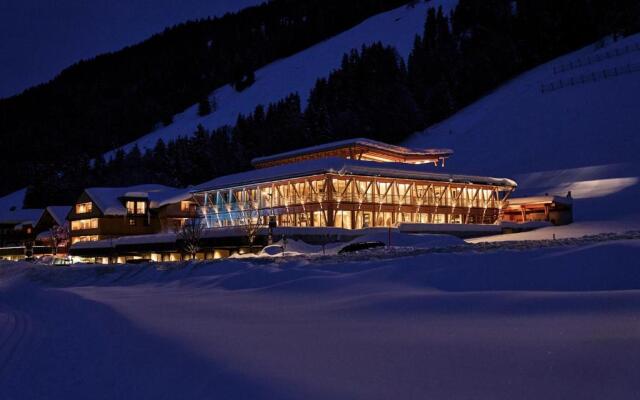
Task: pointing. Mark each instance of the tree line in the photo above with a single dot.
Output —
(105, 102)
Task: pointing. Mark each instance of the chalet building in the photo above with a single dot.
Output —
(554, 209)
(107, 213)
(17, 224)
(17, 227)
(18, 234)
(352, 184)
(52, 229)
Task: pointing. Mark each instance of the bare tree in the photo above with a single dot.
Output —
(251, 227)
(190, 234)
(58, 235)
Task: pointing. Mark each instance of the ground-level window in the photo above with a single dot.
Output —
(364, 219)
(88, 238)
(343, 219)
(319, 218)
(384, 219)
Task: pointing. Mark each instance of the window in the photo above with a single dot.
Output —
(84, 208)
(90, 238)
(136, 207)
(84, 224)
(343, 219)
(318, 218)
(185, 206)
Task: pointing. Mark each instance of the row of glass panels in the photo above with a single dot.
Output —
(353, 191)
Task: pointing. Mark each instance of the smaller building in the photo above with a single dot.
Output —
(17, 226)
(52, 229)
(106, 213)
(554, 209)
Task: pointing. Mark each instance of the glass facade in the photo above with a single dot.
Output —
(353, 202)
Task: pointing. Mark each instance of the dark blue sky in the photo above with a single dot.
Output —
(39, 38)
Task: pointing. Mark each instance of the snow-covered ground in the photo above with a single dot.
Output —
(581, 138)
(552, 323)
(299, 72)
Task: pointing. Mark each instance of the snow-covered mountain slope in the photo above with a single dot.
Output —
(583, 137)
(299, 72)
(70, 30)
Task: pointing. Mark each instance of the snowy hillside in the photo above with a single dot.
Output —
(582, 137)
(69, 31)
(299, 72)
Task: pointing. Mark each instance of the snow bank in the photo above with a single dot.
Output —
(393, 238)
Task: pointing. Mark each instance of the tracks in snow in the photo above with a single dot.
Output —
(15, 328)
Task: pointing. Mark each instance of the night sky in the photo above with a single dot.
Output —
(39, 38)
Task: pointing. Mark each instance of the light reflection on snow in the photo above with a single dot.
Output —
(584, 182)
(541, 179)
(595, 188)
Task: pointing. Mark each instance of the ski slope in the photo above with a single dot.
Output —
(583, 138)
(299, 72)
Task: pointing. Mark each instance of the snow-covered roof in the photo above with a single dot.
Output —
(11, 211)
(344, 167)
(363, 142)
(59, 213)
(21, 217)
(108, 199)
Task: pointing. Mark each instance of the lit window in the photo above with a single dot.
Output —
(84, 224)
(185, 206)
(84, 208)
(141, 207)
(131, 207)
(90, 238)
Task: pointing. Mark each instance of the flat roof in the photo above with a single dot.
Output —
(341, 166)
(373, 144)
